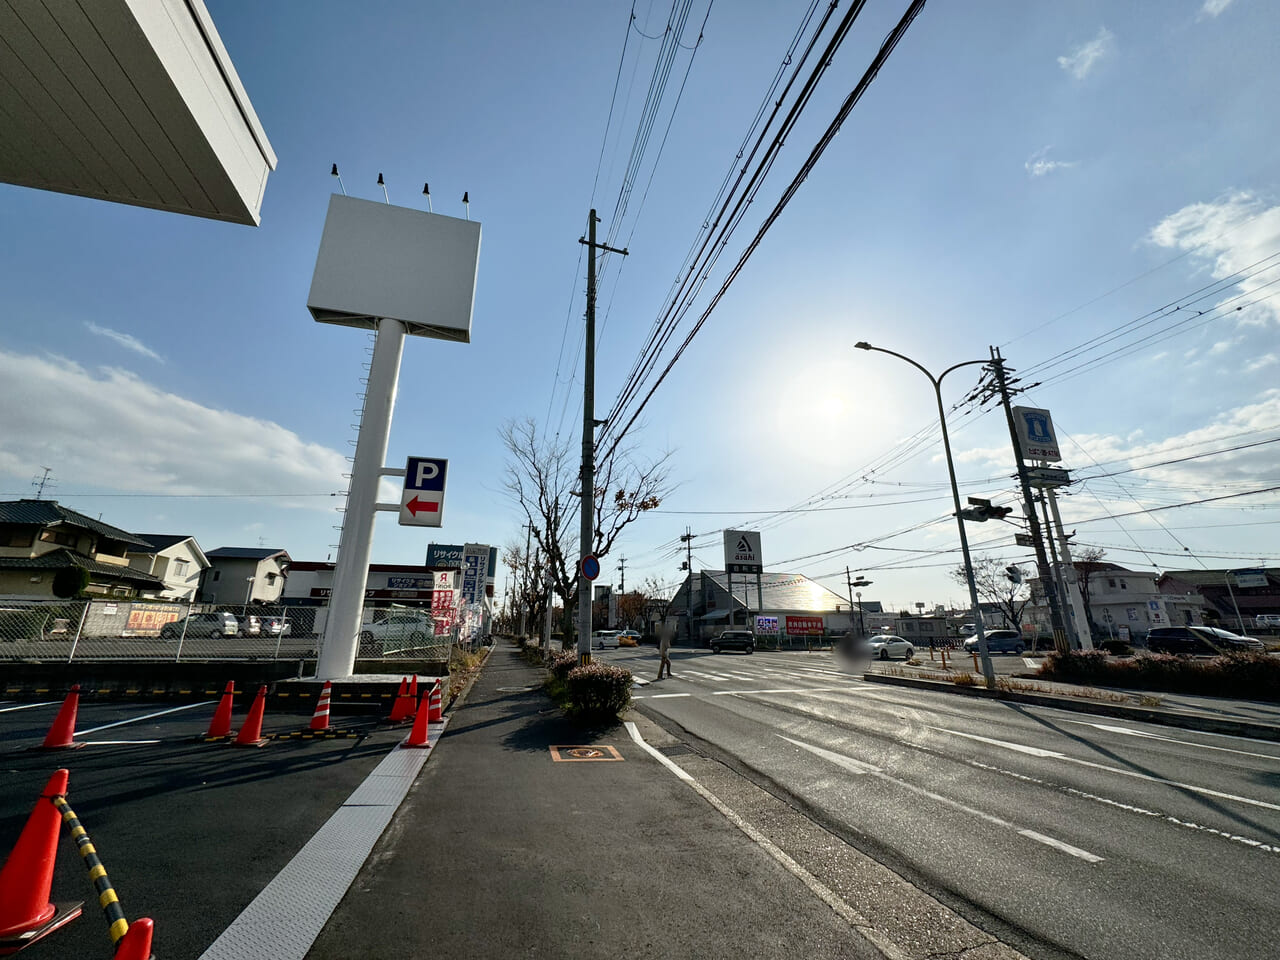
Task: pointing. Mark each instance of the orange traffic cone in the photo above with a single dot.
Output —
(413, 688)
(436, 713)
(221, 725)
(320, 719)
(402, 710)
(420, 735)
(251, 732)
(61, 735)
(27, 876)
(136, 942)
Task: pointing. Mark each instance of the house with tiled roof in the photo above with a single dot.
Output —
(177, 559)
(245, 575)
(48, 550)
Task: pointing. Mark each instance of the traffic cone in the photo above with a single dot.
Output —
(27, 876)
(320, 719)
(136, 943)
(402, 710)
(420, 735)
(61, 735)
(221, 725)
(413, 688)
(435, 713)
(251, 732)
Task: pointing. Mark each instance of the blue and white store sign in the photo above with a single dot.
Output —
(1036, 439)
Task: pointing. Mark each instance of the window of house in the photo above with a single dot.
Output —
(217, 575)
(1111, 582)
(60, 537)
(180, 567)
(17, 537)
(271, 578)
(120, 591)
(1123, 585)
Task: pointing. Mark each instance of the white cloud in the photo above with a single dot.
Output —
(1039, 164)
(109, 429)
(1266, 360)
(1082, 59)
(1231, 236)
(1222, 346)
(1212, 8)
(125, 340)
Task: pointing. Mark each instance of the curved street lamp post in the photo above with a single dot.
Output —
(988, 671)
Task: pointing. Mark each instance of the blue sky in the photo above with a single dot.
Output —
(1031, 176)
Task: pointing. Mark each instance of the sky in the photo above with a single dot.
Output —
(1091, 187)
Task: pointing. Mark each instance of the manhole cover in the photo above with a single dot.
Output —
(568, 754)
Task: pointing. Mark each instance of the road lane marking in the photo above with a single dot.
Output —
(857, 766)
(639, 682)
(29, 706)
(115, 743)
(158, 713)
(1054, 755)
(1155, 736)
(828, 896)
(666, 696)
(800, 690)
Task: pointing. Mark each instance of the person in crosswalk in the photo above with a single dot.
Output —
(664, 648)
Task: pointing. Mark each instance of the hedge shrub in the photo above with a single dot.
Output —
(598, 691)
(1248, 676)
(561, 664)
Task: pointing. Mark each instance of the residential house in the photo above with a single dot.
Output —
(49, 551)
(1239, 599)
(177, 560)
(245, 575)
(799, 606)
(1119, 600)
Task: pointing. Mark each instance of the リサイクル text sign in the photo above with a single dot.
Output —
(422, 500)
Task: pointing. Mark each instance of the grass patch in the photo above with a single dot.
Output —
(965, 680)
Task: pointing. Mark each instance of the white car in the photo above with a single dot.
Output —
(605, 638)
(411, 628)
(886, 645)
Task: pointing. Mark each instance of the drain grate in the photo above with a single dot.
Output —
(677, 750)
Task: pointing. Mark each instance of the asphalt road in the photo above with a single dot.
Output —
(189, 832)
(1063, 833)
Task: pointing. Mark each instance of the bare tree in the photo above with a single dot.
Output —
(1088, 561)
(542, 479)
(991, 577)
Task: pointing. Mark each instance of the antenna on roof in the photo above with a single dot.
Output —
(383, 184)
(40, 482)
(334, 173)
(466, 203)
(426, 192)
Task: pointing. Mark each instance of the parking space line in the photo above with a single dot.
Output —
(28, 706)
(158, 713)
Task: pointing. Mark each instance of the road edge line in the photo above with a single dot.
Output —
(824, 893)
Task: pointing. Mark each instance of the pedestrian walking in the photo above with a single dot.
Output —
(664, 649)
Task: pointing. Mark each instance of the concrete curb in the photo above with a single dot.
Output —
(1186, 721)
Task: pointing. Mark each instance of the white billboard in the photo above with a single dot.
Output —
(1036, 439)
(742, 551)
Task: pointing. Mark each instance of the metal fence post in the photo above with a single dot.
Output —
(79, 630)
(280, 636)
(186, 622)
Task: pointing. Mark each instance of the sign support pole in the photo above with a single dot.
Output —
(355, 545)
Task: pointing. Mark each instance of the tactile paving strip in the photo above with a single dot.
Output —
(284, 920)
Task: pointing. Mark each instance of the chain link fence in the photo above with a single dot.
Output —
(126, 629)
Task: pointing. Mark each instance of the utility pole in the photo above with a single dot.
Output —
(848, 579)
(687, 540)
(589, 423)
(1059, 582)
(622, 576)
(1060, 642)
(524, 580)
(1083, 631)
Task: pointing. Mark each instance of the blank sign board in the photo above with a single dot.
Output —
(377, 260)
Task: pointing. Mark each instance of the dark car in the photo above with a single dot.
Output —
(998, 641)
(742, 640)
(1203, 640)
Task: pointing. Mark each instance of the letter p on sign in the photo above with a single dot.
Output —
(422, 500)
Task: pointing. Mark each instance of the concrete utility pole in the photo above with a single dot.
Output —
(687, 540)
(589, 423)
(1083, 631)
(524, 580)
(622, 576)
(1060, 642)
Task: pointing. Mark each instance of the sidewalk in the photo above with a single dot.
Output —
(1247, 718)
(499, 851)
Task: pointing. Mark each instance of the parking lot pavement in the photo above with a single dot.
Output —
(189, 832)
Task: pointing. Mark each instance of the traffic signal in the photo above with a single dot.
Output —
(983, 510)
(1013, 573)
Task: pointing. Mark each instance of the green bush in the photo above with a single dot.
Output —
(597, 691)
(1248, 676)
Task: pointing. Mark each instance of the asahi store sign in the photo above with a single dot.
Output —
(742, 551)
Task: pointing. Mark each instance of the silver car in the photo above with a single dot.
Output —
(886, 645)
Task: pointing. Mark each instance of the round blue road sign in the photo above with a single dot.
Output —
(590, 566)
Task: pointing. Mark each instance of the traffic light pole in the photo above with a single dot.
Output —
(1060, 642)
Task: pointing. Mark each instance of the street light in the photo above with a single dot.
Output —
(861, 582)
(248, 593)
(988, 671)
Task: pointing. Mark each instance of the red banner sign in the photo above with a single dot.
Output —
(804, 626)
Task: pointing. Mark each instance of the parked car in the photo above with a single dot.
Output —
(414, 628)
(604, 638)
(886, 645)
(1203, 640)
(998, 641)
(742, 640)
(1270, 621)
(250, 626)
(276, 627)
(213, 625)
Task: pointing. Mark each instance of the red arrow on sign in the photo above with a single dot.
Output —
(416, 506)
